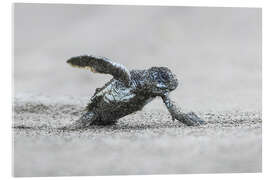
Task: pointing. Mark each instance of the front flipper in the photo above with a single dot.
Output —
(102, 65)
(190, 119)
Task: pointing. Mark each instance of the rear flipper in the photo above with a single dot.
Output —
(190, 119)
(84, 122)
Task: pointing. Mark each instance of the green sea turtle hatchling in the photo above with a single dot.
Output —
(127, 92)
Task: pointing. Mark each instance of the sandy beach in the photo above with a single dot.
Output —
(146, 142)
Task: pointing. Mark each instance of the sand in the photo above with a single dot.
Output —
(146, 142)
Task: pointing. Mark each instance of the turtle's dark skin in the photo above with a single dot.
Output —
(127, 92)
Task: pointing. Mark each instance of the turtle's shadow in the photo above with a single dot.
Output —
(115, 127)
(126, 127)
(138, 127)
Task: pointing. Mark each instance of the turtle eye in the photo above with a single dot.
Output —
(164, 76)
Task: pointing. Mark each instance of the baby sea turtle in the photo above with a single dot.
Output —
(127, 92)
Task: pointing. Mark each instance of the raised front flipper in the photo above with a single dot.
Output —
(102, 65)
(190, 119)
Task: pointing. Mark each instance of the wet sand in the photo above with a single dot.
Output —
(146, 142)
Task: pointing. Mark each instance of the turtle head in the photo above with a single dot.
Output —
(162, 80)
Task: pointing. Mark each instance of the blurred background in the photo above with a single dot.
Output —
(215, 52)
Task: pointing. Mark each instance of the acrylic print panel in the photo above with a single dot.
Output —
(212, 57)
